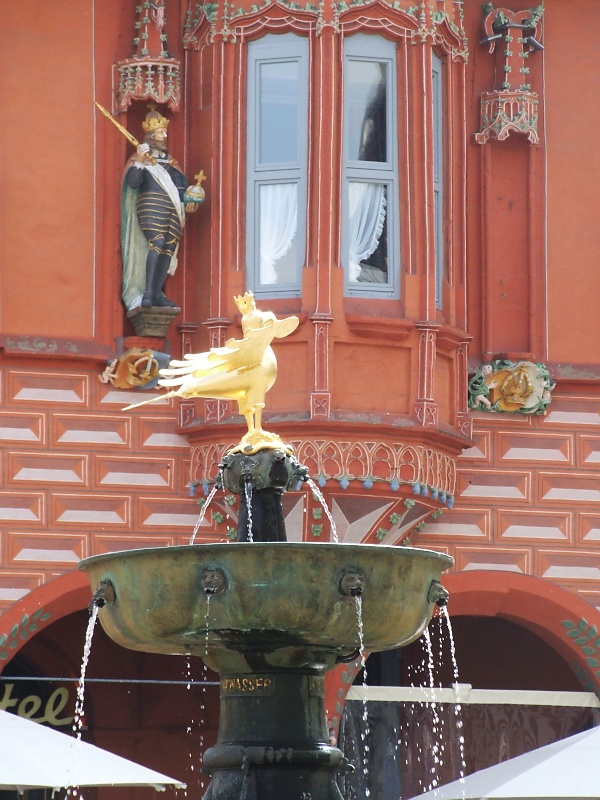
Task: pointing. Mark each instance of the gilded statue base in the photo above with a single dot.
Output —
(251, 443)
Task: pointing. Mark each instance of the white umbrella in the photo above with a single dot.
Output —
(35, 757)
(563, 770)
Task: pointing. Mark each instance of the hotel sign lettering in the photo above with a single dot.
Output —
(35, 708)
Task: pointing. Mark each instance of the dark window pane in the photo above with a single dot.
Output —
(366, 103)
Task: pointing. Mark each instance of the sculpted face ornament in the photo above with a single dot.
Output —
(352, 583)
(213, 581)
(438, 594)
(105, 593)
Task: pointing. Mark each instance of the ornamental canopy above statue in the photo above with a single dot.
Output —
(150, 73)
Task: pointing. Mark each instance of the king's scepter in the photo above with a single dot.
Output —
(129, 136)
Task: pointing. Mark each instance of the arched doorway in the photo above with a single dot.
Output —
(522, 684)
(160, 711)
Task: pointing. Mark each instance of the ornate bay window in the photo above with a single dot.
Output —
(344, 139)
(339, 194)
(377, 137)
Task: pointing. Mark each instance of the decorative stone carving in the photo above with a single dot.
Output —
(511, 106)
(150, 74)
(519, 388)
(135, 369)
(428, 472)
(506, 111)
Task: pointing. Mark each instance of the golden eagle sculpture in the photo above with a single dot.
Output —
(243, 370)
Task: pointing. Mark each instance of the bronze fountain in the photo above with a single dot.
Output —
(270, 616)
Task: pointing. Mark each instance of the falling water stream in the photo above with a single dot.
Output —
(442, 735)
(204, 670)
(203, 720)
(436, 730)
(248, 495)
(457, 706)
(78, 717)
(203, 511)
(206, 621)
(319, 495)
(188, 676)
(365, 732)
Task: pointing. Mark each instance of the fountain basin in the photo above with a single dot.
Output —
(247, 606)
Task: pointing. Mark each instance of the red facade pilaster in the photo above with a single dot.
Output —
(426, 410)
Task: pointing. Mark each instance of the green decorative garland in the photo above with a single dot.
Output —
(20, 632)
(586, 637)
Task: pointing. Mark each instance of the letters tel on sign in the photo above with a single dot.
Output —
(30, 706)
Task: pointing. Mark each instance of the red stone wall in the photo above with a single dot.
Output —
(527, 496)
(79, 476)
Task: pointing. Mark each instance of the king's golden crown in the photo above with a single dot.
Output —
(153, 121)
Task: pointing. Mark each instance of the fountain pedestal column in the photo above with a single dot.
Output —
(272, 740)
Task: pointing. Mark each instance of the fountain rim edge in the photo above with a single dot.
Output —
(218, 546)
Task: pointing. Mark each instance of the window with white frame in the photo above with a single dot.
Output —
(277, 162)
(438, 175)
(370, 226)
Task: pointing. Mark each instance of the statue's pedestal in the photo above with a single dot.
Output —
(153, 321)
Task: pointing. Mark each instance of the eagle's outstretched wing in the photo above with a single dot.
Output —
(237, 356)
(241, 369)
(218, 359)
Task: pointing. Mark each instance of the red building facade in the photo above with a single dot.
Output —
(446, 226)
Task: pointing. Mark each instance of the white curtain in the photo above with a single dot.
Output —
(367, 217)
(278, 224)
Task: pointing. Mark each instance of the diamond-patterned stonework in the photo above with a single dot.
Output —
(527, 498)
(79, 476)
